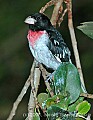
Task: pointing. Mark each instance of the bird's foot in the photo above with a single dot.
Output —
(50, 77)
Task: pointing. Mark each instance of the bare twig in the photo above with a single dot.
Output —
(50, 3)
(56, 12)
(35, 79)
(18, 100)
(32, 75)
(24, 90)
(73, 40)
(87, 95)
(61, 19)
(45, 74)
(31, 104)
(43, 110)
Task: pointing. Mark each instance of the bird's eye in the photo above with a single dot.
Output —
(39, 18)
(29, 17)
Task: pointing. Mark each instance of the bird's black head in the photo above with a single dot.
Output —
(38, 21)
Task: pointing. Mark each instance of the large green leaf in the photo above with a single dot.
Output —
(87, 28)
(72, 107)
(83, 107)
(60, 80)
(67, 81)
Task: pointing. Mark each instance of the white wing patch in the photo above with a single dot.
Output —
(56, 42)
(57, 58)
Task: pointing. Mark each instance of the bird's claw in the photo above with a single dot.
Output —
(50, 77)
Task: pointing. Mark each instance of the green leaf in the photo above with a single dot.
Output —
(72, 107)
(87, 28)
(49, 102)
(59, 101)
(60, 80)
(36, 116)
(67, 81)
(83, 107)
(62, 104)
(42, 97)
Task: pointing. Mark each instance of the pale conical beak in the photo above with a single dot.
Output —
(30, 20)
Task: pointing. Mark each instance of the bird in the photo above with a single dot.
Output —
(45, 42)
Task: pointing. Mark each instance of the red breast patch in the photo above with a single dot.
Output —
(33, 36)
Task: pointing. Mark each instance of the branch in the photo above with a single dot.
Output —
(61, 18)
(23, 92)
(56, 12)
(31, 104)
(73, 40)
(18, 100)
(35, 80)
(45, 74)
(50, 3)
(87, 95)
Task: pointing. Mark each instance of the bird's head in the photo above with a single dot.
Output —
(38, 21)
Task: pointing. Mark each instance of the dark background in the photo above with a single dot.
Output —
(15, 56)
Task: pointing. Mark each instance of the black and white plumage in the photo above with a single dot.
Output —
(45, 42)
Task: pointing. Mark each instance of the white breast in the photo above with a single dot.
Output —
(42, 54)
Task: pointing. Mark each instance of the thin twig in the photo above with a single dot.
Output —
(56, 12)
(18, 100)
(73, 40)
(45, 74)
(32, 75)
(31, 104)
(87, 95)
(50, 3)
(35, 80)
(61, 19)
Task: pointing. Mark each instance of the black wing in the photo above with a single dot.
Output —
(58, 47)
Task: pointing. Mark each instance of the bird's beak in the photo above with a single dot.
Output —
(30, 20)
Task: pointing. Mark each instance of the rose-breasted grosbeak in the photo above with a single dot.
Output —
(45, 42)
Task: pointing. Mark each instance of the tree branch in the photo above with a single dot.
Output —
(50, 3)
(18, 100)
(31, 104)
(61, 18)
(45, 74)
(73, 40)
(56, 12)
(35, 79)
(87, 95)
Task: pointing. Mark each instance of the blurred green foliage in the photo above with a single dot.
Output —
(15, 57)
